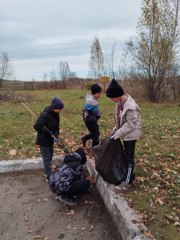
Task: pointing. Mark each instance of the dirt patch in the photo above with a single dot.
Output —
(29, 211)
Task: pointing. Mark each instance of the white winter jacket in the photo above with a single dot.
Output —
(128, 120)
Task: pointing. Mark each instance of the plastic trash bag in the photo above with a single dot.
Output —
(109, 160)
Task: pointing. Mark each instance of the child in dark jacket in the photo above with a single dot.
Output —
(68, 179)
(46, 126)
(91, 114)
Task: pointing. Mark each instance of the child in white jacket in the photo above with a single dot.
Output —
(127, 128)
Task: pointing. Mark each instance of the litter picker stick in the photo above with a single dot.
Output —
(29, 110)
(61, 145)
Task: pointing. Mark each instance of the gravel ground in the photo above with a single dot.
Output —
(28, 210)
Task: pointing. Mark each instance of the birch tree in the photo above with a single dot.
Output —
(6, 67)
(96, 62)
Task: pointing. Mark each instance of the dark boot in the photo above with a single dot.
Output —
(83, 141)
(85, 138)
(132, 179)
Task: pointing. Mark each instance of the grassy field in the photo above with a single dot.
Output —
(155, 192)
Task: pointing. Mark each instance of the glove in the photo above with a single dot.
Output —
(51, 133)
(113, 131)
(85, 114)
(66, 150)
(56, 140)
(116, 135)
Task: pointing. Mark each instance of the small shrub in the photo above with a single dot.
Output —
(11, 96)
(88, 86)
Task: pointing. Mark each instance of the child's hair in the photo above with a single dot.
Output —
(95, 88)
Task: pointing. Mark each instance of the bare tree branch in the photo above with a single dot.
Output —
(6, 68)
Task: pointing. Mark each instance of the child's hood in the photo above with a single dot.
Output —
(91, 100)
(131, 104)
(71, 161)
(71, 157)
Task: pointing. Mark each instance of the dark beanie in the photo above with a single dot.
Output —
(57, 103)
(95, 88)
(82, 154)
(114, 90)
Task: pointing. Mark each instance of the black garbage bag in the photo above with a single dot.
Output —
(109, 160)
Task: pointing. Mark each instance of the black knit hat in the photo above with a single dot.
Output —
(57, 103)
(95, 88)
(114, 90)
(82, 154)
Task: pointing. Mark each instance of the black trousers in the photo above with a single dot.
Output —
(93, 133)
(47, 154)
(129, 149)
(78, 187)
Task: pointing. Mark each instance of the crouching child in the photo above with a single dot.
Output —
(68, 179)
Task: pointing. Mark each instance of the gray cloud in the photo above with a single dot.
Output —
(37, 33)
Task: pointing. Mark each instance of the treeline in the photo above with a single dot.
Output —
(40, 85)
(131, 85)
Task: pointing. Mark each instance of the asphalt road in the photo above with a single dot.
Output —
(28, 210)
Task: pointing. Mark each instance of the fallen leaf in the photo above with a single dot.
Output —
(45, 200)
(159, 201)
(71, 212)
(12, 152)
(177, 224)
(140, 179)
(91, 228)
(148, 234)
(37, 237)
(53, 167)
(69, 226)
(141, 228)
(86, 202)
(169, 217)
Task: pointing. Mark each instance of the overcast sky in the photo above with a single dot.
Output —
(38, 34)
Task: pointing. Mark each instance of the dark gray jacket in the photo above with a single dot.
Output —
(67, 172)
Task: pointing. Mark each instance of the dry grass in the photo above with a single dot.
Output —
(155, 193)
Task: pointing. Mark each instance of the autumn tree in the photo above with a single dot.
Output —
(104, 80)
(96, 62)
(63, 73)
(155, 50)
(6, 67)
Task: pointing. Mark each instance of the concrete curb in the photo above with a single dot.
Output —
(21, 165)
(126, 219)
(128, 222)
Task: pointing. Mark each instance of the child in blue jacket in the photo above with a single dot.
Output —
(91, 114)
